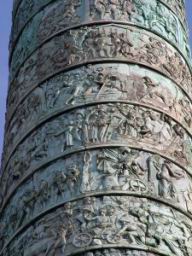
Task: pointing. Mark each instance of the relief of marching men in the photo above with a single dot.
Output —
(96, 83)
(150, 14)
(104, 221)
(102, 42)
(114, 170)
(97, 125)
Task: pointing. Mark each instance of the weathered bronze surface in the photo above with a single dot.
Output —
(98, 144)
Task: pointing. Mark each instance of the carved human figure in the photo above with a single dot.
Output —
(128, 124)
(126, 45)
(166, 177)
(109, 174)
(104, 122)
(129, 8)
(187, 110)
(27, 203)
(102, 44)
(43, 193)
(86, 181)
(72, 177)
(59, 242)
(75, 90)
(93, 127)
(38, 146)
(113, 6)
(129, 229)
(51, 97)
(100, 7)
(80, 127)
(68, 133)
(155, 92)
(59, 183)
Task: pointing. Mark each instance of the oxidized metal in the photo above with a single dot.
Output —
(98, 154)
(151, 15)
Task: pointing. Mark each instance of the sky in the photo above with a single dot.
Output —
(5, 27)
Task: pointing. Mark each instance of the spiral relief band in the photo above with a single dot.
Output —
(97, 156)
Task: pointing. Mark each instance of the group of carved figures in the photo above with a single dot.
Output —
(116, 170)
(82, 87)
(44, 177)
(97, 125)
(74, 87)
(152, 15)
(77, 46)
(113, 220)
(28, 7)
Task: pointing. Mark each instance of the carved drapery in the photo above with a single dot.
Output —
(97, 156)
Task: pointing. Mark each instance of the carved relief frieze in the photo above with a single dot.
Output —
(109, 170)
(97, 222)
(101, 43)
(99, 83)
(152, 15)
(26, 10)
(99, 125)
(97, 155)
(146, 13)
(178, 6)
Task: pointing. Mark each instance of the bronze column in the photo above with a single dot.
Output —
(97, 157)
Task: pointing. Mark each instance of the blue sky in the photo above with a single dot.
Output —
(5, 25)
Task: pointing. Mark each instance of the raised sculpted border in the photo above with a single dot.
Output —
(78, 230)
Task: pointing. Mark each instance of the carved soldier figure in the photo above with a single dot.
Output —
(166, 178)
(100, 7)
(109, 174)
(126, 45)
(93, 127)
(72, 177)
(27, 203)
(129, 8)
(59, 183)
(43, 193)
(86, 175)
(113, 6)
(68, 133)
